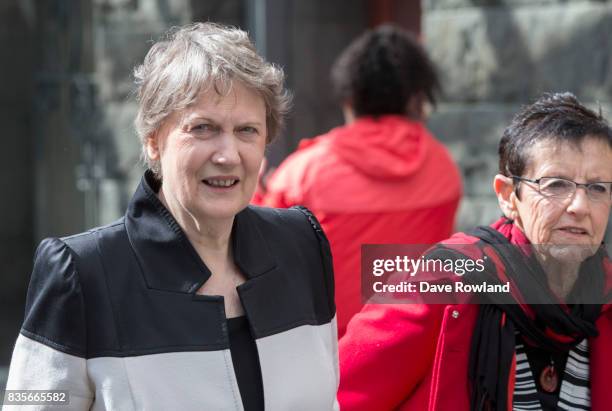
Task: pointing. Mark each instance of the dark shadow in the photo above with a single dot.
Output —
(17, 42)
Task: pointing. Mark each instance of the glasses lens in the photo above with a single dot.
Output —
(556, 187)
(600, 191)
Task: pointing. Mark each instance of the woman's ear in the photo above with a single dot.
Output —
(506, 197)
(152, 146)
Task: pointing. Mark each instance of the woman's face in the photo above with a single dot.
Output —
(577, 221)
(210, 154)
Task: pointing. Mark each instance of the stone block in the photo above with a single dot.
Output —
(472, 133)
(123, 141)
(514, 54)
(429, 5)
(471, 123)
(111, 206)
(124, 35)
(475, 211)
(171, 11)
(122, 46)
(119, 120)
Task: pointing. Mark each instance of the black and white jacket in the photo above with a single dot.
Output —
(112, 315)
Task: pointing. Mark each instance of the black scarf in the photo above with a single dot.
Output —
(500, 316)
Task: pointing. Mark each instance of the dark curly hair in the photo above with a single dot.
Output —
(557, 116)
(381, 70)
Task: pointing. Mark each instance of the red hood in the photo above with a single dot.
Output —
(384, 147)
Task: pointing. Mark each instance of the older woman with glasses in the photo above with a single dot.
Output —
(546, 344)
(193, 300)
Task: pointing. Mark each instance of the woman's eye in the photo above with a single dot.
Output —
(201, 128)
(556, 184)
(248, 130)
(599, 188)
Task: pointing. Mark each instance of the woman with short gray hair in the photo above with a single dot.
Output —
(192, 300)
(197, 57)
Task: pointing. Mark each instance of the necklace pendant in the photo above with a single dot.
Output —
(549, 380)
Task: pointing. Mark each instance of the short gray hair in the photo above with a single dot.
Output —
(190, 59)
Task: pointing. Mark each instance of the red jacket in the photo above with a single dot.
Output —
(385, 180)
(415, 357)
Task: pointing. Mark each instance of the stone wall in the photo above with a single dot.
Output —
(495, 56)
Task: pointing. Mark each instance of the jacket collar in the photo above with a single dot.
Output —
(168, 260)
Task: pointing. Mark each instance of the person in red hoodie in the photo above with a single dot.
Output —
(382, 177)
(546, 343)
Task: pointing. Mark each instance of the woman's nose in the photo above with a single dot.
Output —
(226, 152)
(579, 202)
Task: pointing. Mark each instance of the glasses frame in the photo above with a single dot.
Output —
(576, 186)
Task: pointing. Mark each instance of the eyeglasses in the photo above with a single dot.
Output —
(561, 188)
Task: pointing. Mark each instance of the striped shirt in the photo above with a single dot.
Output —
(575, 391)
